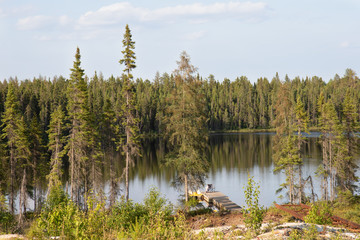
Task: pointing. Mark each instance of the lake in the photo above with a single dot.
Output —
(233, 157)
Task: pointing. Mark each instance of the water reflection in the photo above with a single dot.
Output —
(233, 157)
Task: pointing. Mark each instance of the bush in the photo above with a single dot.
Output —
(62, 218)
(57, 217)
(7, 222)
(124, 214)
(253, 213)
(319, 214)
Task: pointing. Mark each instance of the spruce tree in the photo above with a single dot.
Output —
(17, 146)
(331, 132)
(349, 145)
(301, 125)
(129, 119)
(186, 127)
(110, 138)
(56, 145)
(285, 151)
(37, 159)
(78, 141)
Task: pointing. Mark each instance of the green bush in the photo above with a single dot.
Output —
(7, 222)
(56, 218)
(124, 214)
(253, 213)
(129, 220)
(319, 214)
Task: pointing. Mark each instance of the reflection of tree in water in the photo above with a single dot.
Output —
(240, 151)
(248, 150)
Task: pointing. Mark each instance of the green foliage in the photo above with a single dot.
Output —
(295, 235)
(62, 218)
(310, 233)
(319, 213)
(253, 212)
(186, 127)
(7, 222)
(124, 214)
(154, 204)
(57, 217)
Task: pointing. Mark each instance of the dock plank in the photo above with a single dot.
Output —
(221, 201)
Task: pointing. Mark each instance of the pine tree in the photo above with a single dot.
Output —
(331, 131)
(301, 125)
(56, 145)
(78, 142)
(129, 119)
(110, 131)
(37, 158)
(186, 127)
(17, 146)
(349, 145)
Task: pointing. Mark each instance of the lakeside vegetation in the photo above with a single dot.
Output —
(48, 126)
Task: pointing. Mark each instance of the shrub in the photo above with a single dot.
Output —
(7, 222)
(253, 213)
(56, 218)
(319, 214)
(124, 214)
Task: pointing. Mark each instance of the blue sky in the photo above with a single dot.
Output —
(223, 38)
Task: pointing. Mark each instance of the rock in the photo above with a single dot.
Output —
(11, 237)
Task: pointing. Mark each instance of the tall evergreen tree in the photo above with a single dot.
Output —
(286, 154)
(129, 119)
(78, 141)
(17, 146)
(56, 145)
(349, 142)
(37, 159)
(187, 128)
(301, 125)
(331, 132)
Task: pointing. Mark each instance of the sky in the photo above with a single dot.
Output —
(227, 39)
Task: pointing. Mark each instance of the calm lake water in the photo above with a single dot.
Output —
(232, 157)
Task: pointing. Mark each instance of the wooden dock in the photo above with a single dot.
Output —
(220, 200)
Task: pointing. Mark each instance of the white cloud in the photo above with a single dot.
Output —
(115, 13)
(41, 21)
(34, 22)
(93, 23)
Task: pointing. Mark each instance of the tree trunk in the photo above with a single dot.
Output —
(186, 188)
(12, 181)
(35, 185)
(127, 177)
(22, 201)
(300, 170)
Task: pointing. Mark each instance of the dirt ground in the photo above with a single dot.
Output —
(215, 220)
(230, 219)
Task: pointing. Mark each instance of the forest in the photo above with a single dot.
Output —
(73, 123)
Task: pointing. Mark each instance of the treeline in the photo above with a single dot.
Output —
(230, 105)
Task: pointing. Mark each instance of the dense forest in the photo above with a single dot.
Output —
(47, 124)
(230, 105)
